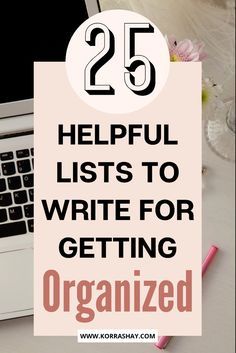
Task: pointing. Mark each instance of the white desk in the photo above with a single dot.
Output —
(16, 336)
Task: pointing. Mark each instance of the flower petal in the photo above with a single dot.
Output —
(193, 57)
(202, 56)
(185, 47)
(171, 41)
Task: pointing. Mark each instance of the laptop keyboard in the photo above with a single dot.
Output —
(16, 192)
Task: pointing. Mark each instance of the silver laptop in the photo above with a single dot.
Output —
(52, 30)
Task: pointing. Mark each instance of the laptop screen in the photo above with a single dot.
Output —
(38, 35)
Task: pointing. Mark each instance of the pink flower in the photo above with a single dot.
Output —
(185, 50)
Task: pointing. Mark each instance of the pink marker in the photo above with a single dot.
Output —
(164, 340)
(210, 256)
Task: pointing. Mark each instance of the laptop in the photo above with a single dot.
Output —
(23, 40)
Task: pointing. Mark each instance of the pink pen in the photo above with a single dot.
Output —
(164, 340)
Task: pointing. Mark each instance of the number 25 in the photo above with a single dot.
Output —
(131, 61)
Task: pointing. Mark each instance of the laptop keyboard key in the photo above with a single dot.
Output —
(29, 211)
(3, 215)
(14, 183)
(15, 213)
(8, 168)
(32, 151)
(24, 166)
(5, 199)
(2, 185)
(6, 156)
(31, 195)
(22, 153)
(11, 229)
(31, 225)
(28, 180)
(20, 197)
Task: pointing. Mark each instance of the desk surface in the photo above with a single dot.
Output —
(16, 336)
